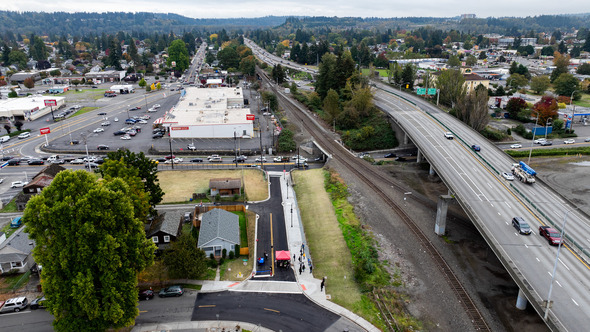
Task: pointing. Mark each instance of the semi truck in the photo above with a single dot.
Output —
(524, 172)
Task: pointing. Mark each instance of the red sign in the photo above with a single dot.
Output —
(178, 128)
(45, 131)
(250, 117)
(50, 102)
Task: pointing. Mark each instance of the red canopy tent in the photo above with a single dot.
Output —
(283, 255)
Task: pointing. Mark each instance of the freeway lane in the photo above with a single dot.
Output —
(486, 196)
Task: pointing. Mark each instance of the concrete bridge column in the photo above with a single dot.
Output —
(431, 172)
(521, 300)
(406, 138)
(441, 214)
(419, 157)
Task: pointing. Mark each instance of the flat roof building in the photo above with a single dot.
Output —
(27, 108)
(210, 113)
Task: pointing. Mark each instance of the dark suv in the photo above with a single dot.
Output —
(521, 226)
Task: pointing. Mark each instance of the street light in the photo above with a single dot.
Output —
(533, 139)
(547, 124)
(555, 265)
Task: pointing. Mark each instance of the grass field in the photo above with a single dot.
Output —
(179, 186)
(328, 249)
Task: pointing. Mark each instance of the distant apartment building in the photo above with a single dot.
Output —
(464, 16)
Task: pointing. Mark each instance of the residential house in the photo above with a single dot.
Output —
(37, 184)
(472, 80)
(225, 187)
(164, 229)
(219, 230)
(15, 252)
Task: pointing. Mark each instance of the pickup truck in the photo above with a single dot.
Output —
(552, 235)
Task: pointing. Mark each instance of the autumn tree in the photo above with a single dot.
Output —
(539, 84)
(515, 108)
(472, 109)
(92, 247)
(248, 65)
(546, 108)
(29, 83)
(561, 63)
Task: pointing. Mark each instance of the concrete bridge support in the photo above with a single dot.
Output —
(441, 214)
(521, 300)
(431, 172)
(419, 157)
(406, 139)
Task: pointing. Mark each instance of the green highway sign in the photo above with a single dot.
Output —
(421, 91)
(431, 91)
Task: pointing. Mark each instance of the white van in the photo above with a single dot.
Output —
(4, 139)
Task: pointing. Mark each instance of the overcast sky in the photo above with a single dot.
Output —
(357, 8)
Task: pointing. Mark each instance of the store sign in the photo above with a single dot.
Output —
(50, 102)
(45, 131)
(178, 128)
(250, 117)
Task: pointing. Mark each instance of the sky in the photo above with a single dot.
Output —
(356, 8)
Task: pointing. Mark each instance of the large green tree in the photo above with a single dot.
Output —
(178, 53)
(452, 86)
(183, 259)
(331, 105)
(517, 81)
(248, 65)
(147, 171)
(228, 57)
(539, 84)
(91, 247)
(566, 85)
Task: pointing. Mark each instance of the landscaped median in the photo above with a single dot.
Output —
(344, 252)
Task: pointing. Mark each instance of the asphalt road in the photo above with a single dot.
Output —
(286, 312)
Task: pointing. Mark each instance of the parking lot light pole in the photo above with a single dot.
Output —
(171, 156)
(533, 139)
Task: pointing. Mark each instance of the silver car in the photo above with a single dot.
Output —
(507, 176)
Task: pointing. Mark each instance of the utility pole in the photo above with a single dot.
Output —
(235, 149)
(261, 154)
(171, 156)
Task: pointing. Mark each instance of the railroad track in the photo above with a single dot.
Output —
(355, 165)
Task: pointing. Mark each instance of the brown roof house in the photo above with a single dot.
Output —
(225, 187)
(39, 181)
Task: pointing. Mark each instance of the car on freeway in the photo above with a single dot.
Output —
(158, 135)
(119, 132)
(196, 160)
(102, 113)
(539, 140)
(173, 160)
(57, 161)
(18, 184)
(521, 226)
(587, 139)
(260, 159)
(135, 108)
(147, 294)
(569, 141)
(239, 159)
(26, 134)
(105, 123)
(516, 146)
(36, 162)
(546, 143)
(170, 156)
(38, 303)
(98, 130)
(126, 137)
(551, 234)
(171, 291)
(215, 160)
(508, 176)
(77, 161)
(449, 135)
(91, 165)
(213, 156)
(102, 147)
(389, 155)
(476, 147)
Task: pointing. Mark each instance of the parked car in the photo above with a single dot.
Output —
(516, 146)
(156, 106)
(539, 140)
(4, 139)
(26, 134)
(552, 235)
(126, 137)
(116, 119)
(521, 226)
(102, 147)
(14, 304)
(476, 147)
(147, 294)
(36, 162)
(119, 132)
(508, 176)
(569, 141)
(98, 130)
(191, 147)
(171, 291)
(38, 303)
(16, 222)
(18, 184)
(158, 135)
(130, 121)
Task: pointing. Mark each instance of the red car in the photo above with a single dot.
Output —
(170, 156)
(552, 235)
(146, 294)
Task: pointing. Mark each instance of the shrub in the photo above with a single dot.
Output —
(221, 260)
(237, 248)
(493, 135)
(223, 253)
(231, 255)
(211, 256)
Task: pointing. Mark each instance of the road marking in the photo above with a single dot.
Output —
(142, 311)
(489, 185)
(510, 207)
(538, 260)
(207, 306)
(564, 265)
(558, 283)
(526, 245)
(278, 312)
(507, 223)
(575, 302)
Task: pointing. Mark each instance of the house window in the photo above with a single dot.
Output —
(16, 264)
(166, 238)
(155, 239)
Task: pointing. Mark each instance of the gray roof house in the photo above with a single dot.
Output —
(219, 230)
(164, 230)
(15, 252)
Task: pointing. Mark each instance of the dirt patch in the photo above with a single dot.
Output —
(179, 186)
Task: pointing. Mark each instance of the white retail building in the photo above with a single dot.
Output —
(210, 113)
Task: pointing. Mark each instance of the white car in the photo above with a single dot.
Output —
(213, 156)
(77, 161)
(449, 135)
(106, 123)
(98, 130)
(507, 176)
(116, 119)
(152, 110)
(569, 141)
(156, 106)
(126, 137)
(516, 146)
(142, 122)
(263, 159)
(176, 161)
(26, 134)
(19, 184)
(540, 140)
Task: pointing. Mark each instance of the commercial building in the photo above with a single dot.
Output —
(27, 108)
(210, 113)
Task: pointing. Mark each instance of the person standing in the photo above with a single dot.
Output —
(310, 268)
(300, 270)
(323, 284)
